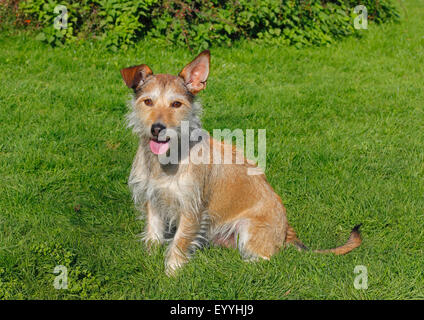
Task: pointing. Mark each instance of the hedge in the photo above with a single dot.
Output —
(200, 23)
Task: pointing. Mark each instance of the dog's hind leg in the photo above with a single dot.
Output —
(260, 239)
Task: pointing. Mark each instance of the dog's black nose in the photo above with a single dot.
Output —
(156, 129)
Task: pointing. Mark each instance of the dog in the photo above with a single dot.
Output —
(220, 204)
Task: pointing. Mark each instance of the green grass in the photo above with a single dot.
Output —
(345, 141)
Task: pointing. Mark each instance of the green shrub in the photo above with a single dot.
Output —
(82, 283)
(202, 23)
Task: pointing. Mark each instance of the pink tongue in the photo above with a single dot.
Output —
(159, 147)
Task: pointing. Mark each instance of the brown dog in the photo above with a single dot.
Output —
(219, 203)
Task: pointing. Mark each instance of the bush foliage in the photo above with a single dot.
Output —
(201, 23)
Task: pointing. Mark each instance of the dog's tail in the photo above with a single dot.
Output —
(353, 242)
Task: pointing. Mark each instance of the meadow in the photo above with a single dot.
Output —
(345, 141)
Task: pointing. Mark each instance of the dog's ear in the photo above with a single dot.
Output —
(196, 73)
(135, 76)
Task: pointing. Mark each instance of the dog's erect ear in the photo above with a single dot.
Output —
(196, 73)
(135, 76)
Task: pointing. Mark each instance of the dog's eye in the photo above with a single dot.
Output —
(148, 102)
(176, 104)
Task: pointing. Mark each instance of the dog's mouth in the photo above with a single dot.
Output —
(159, 147)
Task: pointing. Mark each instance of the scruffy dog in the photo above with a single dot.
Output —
(221, 203)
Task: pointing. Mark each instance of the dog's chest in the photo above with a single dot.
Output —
(179, 186)
(173, 196)
(163, 190)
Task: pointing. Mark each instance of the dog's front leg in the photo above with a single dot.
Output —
(178, 251)
(154, 229)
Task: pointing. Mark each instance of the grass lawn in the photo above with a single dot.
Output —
(345, 141)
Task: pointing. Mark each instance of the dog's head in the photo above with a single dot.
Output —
(163, 101)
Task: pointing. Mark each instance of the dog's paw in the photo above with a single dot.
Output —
(151, 243)
(173, 263)
(171, 269)
(255, 259)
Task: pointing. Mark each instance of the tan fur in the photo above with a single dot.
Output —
(218, 203)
